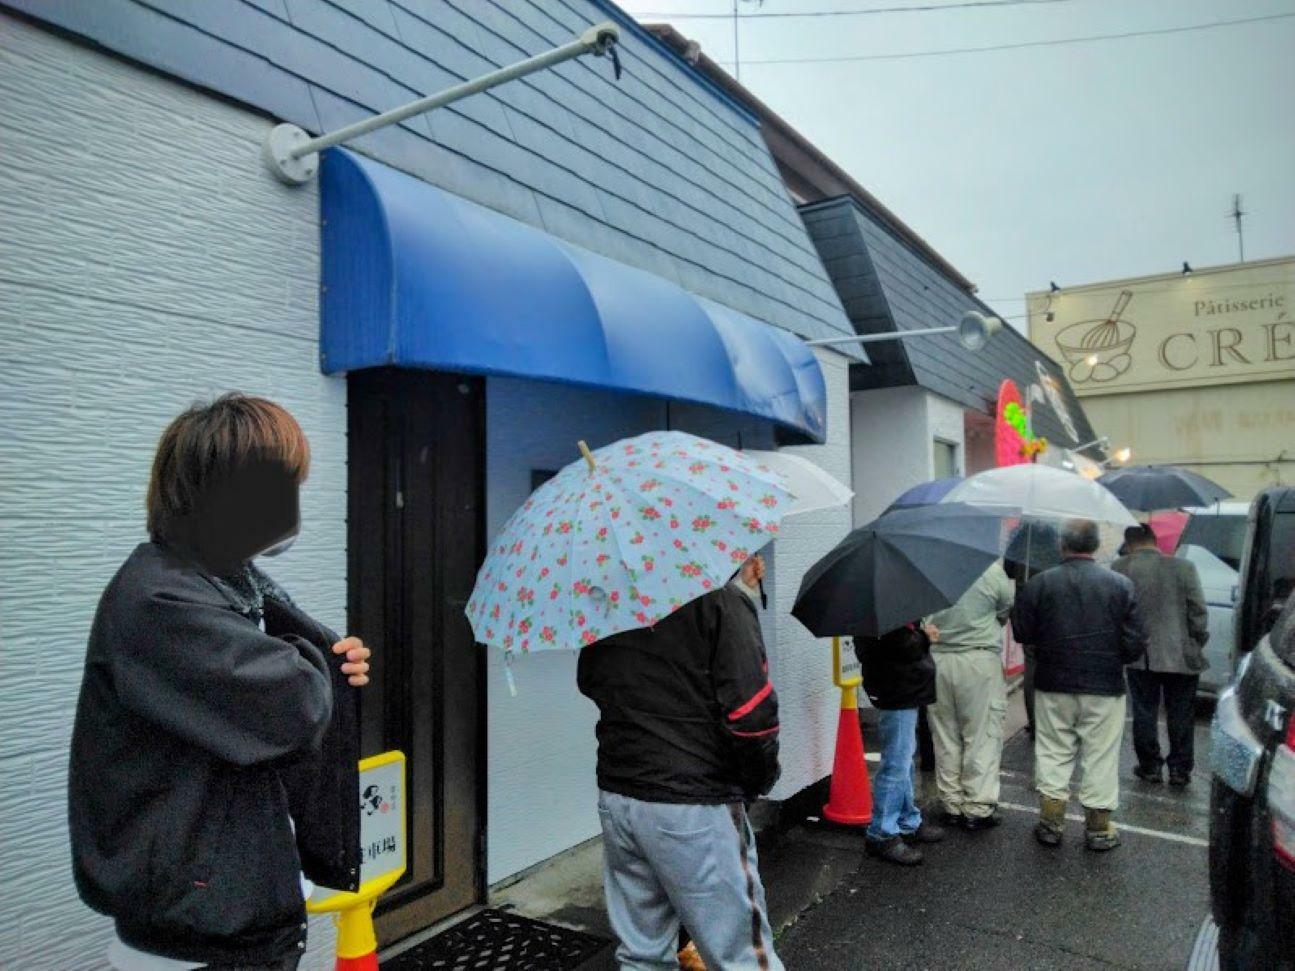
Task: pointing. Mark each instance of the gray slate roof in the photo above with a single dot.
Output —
(662, 170)
(886, 285)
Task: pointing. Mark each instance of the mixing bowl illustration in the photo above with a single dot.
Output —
(1098, 349)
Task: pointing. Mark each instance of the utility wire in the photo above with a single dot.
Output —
(915, 8)
(1011, 47)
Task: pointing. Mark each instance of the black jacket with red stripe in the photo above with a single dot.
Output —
(687, 711)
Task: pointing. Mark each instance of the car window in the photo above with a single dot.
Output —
(1280, 572)
(1224, 536)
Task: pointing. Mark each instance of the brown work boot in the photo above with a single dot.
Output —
(1100, 834)
(1052, 821)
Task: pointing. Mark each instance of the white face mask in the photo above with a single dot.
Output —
(280, 547)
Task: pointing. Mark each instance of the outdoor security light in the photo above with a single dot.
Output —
(1052, 287)
(1187, 269)
(293, 156)
(973, 330)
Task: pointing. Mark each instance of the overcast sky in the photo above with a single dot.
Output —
(1075, 163)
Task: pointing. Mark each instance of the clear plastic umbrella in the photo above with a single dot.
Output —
(814, 488)
(1040, 492)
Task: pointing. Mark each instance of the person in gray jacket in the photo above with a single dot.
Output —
(1173, 607)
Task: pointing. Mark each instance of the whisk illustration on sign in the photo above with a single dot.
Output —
(1098, 349)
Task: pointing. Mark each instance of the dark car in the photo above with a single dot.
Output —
(1252, 822)
(1267, 568)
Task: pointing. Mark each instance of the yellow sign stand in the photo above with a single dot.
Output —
(846, 675)
(383, 843)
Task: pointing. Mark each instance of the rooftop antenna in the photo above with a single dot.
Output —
(1236, 216)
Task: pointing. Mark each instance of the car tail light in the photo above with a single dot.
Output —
(1281, 797)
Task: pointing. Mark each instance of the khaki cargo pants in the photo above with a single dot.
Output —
(967, 728)
(1087, 729)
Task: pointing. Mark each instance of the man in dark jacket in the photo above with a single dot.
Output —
(1083, 622)
(899, 678)
(214, 752)
(1172, 602)
(687, 735)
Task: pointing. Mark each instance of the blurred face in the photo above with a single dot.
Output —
(752, 571)
(253, 510)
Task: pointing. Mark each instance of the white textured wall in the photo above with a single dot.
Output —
(541, 789)
(145, 260)
(891, 448)
(893, 431)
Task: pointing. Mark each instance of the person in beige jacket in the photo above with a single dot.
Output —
(971, 700)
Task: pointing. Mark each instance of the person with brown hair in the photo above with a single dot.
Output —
(214, 753)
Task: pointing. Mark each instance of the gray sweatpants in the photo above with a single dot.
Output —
(667, 862)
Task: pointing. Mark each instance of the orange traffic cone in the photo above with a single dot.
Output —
(851, 799)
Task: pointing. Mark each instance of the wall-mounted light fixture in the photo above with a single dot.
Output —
(1052, 287)
(973, 330)
(1187, 268)
(293, 156)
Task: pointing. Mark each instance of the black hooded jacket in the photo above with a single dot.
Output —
(687, 711)
(898, 670)
(200, 742)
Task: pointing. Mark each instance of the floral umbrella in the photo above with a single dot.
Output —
(621, 539)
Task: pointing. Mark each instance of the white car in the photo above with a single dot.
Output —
(1212, 541)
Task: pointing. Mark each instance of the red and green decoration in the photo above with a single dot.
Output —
(1014, 441)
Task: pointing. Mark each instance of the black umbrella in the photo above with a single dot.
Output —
(1032, 548)
(1148, 487)
(896, 569)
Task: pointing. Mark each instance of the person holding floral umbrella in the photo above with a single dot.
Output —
(629, 556)
(687, 735)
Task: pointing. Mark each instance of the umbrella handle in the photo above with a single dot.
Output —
(589, 456)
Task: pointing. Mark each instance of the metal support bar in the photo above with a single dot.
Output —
(973, 330)
(873, 338)
(293, 156)
(1104, 443)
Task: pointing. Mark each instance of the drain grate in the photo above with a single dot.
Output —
(494, 940)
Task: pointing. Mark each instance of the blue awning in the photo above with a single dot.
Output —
(417, 277)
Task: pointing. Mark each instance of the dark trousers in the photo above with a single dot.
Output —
(1027, 685)
(1179, 691)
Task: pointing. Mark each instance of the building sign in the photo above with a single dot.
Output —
(382, 831)
(1226, 325)
(1014, 440)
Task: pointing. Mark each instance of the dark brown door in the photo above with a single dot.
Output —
(416, 506)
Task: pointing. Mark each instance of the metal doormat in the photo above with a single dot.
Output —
(494, 940)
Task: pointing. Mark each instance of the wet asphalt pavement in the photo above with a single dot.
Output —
(999, 900)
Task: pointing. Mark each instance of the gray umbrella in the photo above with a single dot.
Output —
(1149, 487)
(897, 569)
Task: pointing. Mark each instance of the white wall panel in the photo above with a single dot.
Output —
(146, 261)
